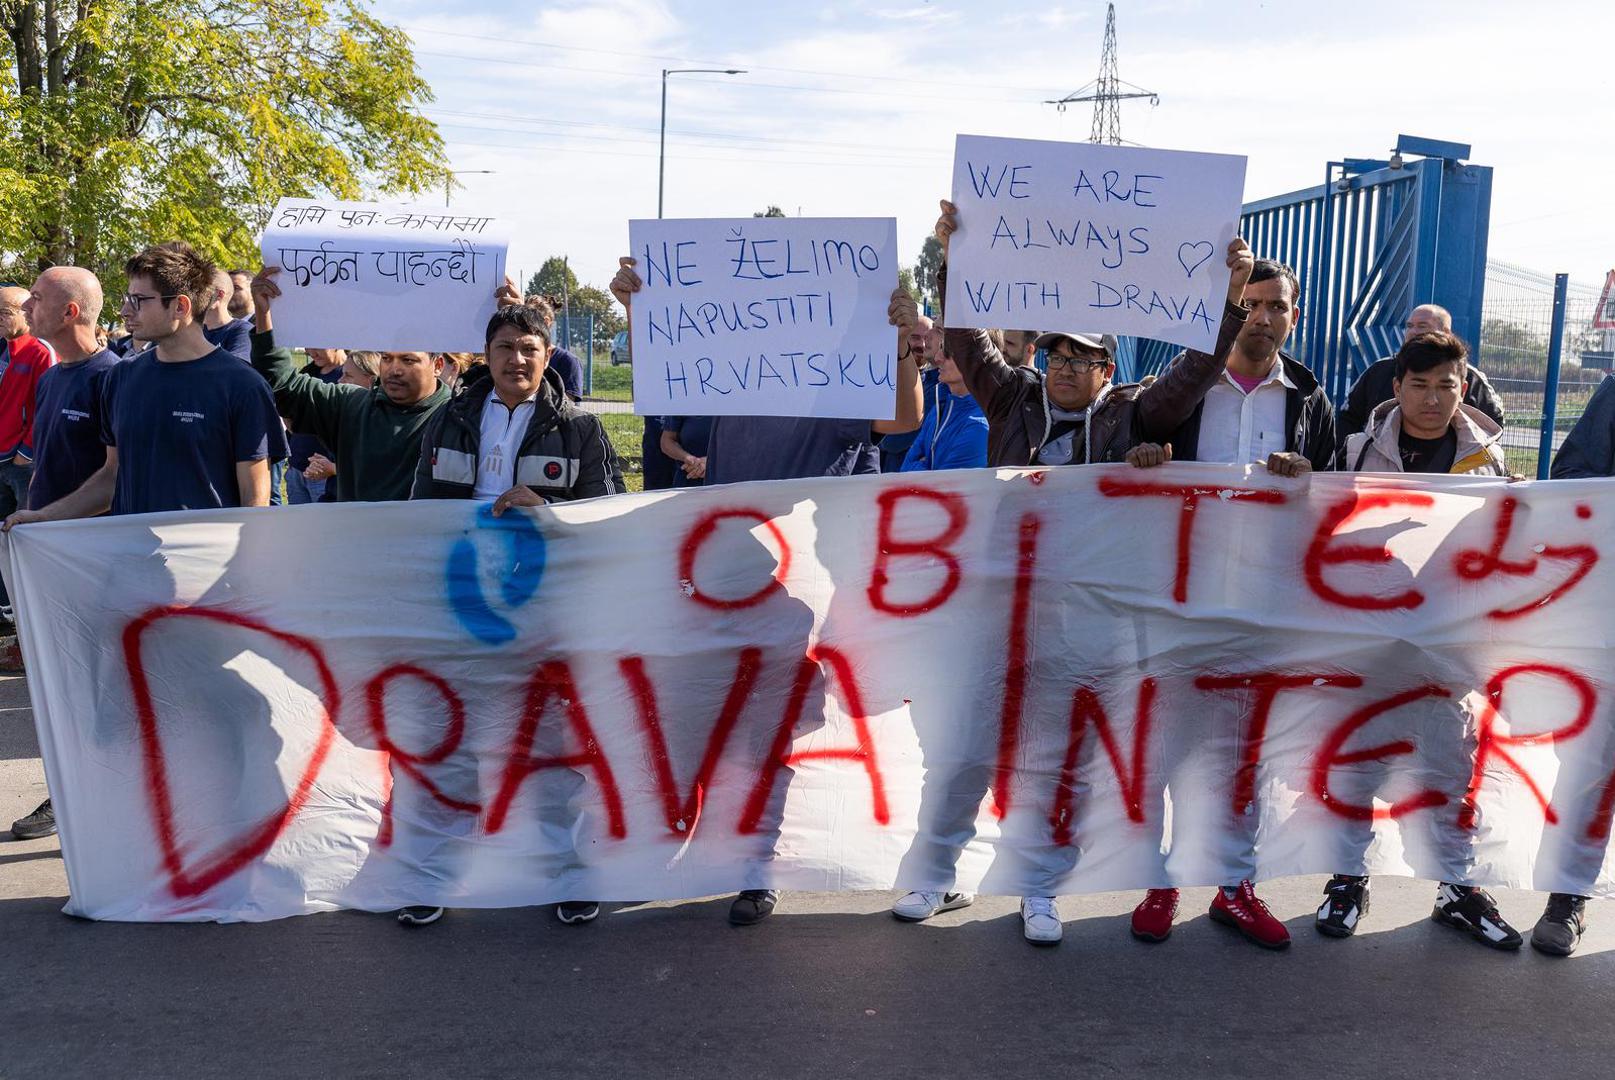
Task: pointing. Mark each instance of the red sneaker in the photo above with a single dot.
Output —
(1247, 914)
(1152, 919)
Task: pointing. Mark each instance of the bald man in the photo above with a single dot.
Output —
(232, 335)
(1374, 385)
(62, 309)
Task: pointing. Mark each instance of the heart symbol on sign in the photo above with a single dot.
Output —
(188, 881)
(1190, 256)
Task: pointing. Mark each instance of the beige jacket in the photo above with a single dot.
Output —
(1480, 452)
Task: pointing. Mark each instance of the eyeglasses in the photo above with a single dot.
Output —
(132, 301)
(1076, 363)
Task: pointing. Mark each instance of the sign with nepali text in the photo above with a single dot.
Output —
(1091, 238)
(765, 317)
(1014, 682)
(386, 278)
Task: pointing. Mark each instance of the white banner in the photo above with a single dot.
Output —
(387, 278)
(1007, 682)
(765, 317)
(1091, 238)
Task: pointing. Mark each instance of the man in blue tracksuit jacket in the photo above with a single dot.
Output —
(954, 432)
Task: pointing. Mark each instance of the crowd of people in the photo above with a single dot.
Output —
(194, 406)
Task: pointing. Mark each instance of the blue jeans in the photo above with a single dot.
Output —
(277, 481)
(300, 489)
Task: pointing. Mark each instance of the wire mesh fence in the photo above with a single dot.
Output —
(1516, 324)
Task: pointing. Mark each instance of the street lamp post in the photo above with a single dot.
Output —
(661, 157)
(448, 181)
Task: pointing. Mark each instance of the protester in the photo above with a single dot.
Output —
(684, 440)
(186, 425)
(325, 365)
(1427, 427)
(233, 335)
(953, 434)
(23, 359)
(742, 448)
(375, 433)
(562, 362)
(62, 309)
(240, 306)
(1071, 416)
(924, 344)
(1266, 409)
(514, 438)
(1589, 449)
(1373, 386)
(1020, 347)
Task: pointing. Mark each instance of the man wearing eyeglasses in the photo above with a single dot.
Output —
(1074, 415)
(186, 425)
(1375, 385)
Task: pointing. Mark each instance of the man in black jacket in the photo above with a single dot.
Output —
(1373, 386)
(1267, 407)
(515, 438)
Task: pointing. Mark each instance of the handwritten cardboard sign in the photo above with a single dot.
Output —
(1102, 239)
(390, 278)
(765, 317)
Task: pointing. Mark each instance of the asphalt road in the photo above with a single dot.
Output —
(830, 987)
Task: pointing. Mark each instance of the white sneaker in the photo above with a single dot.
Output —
(1040, 920)
(919, 906)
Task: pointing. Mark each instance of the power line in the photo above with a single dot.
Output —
(750, 84)
(526, 118)
(660, 57)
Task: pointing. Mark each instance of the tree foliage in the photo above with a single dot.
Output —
(925, 269)
(125, 122)
(554, 278)
(772, 211)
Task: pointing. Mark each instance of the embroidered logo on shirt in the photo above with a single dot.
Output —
(552, 471)
(188, 417)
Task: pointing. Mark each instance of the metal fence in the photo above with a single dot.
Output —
(1515, 333)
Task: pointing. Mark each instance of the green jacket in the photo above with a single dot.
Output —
(376, 443)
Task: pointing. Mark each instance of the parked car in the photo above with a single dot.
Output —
(619, 349)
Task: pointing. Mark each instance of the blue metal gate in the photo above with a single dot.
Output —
(1374, 240)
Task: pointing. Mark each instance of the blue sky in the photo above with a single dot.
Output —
(850, 109)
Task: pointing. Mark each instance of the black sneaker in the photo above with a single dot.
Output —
(577, 911)
(753, 906)
(36, 826)
(1559, 930)
(1345, 901)
(1469, 908)
(419, 915)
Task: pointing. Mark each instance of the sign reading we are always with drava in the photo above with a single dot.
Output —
(764, 317)
(389, 278)
(1102, 239)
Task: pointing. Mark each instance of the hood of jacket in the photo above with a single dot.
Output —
(1478, 438)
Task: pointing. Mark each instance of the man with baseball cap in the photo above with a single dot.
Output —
(1073, 415)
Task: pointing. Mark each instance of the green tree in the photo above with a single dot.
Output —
(905, 281)
(608, 317)
(926, 268)
(772, 211)
(124, 122)
(554, 278)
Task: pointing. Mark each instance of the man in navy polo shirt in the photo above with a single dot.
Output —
(62, 308)
(232, 335)
(186, 425)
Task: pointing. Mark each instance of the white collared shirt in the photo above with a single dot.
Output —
(502, 431)
(1241, 428)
